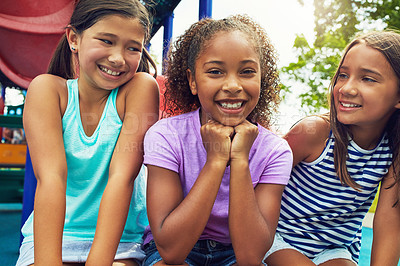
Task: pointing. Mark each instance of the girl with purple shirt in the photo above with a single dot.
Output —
(215, 172)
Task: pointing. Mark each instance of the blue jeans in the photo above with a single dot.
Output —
(204, 252)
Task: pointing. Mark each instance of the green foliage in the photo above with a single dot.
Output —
(385, 11)
(336, 24)
(314, 67)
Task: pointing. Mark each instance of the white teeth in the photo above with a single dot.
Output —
(231, 105)
(350, 105)
(108, 71)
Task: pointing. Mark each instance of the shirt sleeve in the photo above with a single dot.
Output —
(160, 147)
(279, 164)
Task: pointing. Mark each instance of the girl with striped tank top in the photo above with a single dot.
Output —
(340, 159)
(85, 122)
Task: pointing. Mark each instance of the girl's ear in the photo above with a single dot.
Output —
(72, 38)
(192, 82)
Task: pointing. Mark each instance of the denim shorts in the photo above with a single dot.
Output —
(204, 252)
(324, 256)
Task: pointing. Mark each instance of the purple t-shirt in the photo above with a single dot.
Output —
(175, 143)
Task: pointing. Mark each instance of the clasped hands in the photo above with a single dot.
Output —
(228, 143)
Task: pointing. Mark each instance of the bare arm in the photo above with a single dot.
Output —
(253, 218)
(178, 222)
(253, 213)
(386, 241)
(307, 139)
(42, 123)
(141, 111)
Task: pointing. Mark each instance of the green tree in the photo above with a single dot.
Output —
(336, 23)
(386, 11)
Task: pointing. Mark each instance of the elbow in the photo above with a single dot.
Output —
(171, 256)
(251, 257)
(172, 252)
(49, 184)
(248, 258)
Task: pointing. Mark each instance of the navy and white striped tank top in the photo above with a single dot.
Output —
(318, 212)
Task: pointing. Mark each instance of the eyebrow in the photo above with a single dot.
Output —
(365, 70)
(107, 34)
(223, 63)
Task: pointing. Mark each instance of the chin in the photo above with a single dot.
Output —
(231, 122)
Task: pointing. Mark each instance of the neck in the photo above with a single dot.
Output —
(90, 95)
(366, 138)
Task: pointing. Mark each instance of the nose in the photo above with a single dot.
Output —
(349, 88)
(232, 85)
(116, 57)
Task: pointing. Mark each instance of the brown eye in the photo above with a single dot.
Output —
(214, 72)
(248, 71)
(133, 49)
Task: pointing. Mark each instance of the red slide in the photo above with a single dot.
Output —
(29, 33)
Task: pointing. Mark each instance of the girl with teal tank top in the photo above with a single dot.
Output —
(85, 122)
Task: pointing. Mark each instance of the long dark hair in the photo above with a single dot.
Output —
(85, 15)
(387, 43)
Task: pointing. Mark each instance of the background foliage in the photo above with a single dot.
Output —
(336, 23)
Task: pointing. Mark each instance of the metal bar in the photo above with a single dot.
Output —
(205, 9)
(168, 28)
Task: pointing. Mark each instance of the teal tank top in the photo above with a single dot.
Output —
(88, 160)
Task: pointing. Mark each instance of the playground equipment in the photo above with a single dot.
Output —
(12, 163)
(30, 31)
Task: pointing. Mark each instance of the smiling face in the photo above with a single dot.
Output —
(366, 92)
(227, 78)
(109, 52)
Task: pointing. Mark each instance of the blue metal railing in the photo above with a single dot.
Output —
(205, 10)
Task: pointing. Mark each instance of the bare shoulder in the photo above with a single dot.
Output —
(310, 128)
(139, 95)
(47, 89)
(45, 103)
(141, 82)
(47, 82)
(307, 138)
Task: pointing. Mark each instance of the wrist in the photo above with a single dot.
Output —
(239, 162)
(242, 157)
(216, 163)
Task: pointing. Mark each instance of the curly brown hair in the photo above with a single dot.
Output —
(188, 47)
